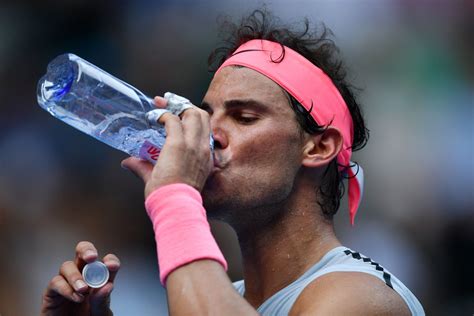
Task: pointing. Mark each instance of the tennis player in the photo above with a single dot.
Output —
(285, 122)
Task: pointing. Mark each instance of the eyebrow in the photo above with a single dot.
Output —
(239, 103)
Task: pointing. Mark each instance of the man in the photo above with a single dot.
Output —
(284, 123)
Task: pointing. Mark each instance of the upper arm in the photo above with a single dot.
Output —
(349, 293)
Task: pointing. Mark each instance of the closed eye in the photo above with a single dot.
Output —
(245, 118)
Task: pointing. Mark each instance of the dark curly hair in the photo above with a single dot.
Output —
(316, 46)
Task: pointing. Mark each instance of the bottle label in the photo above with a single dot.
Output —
(149, 152)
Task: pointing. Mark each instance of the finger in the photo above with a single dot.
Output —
(73, 276)
(173, 127)
(198, 128)
(206, 125)
(85, 253)
(177, 104)
(160, 102)
(138, 167)
(192, 125)
(113, 264)
(58, 289)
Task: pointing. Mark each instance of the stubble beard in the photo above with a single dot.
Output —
(245, 212)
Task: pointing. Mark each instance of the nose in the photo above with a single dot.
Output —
(219, 134)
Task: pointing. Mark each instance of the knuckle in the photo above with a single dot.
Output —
(173, 118)
(55, 281)
(63, 289)
(170, 120)
(65, 265)
(204, 114)
(59, 285)
(194, 112)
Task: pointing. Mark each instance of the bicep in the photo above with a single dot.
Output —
(349, 293)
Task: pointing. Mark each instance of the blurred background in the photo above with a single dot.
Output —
(413, 61)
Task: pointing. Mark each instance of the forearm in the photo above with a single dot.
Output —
(203, 288)
(192, 266)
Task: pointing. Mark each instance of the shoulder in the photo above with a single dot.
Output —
(349, 293)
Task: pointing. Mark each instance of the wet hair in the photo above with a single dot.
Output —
(318, 47)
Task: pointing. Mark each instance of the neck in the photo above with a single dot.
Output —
(278, 254)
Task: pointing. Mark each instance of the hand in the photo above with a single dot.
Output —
(68, 294)
(185, 157)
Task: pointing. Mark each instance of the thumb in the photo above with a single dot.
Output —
(99, 301)
(139, 167)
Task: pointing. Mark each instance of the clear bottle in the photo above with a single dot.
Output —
(102, 106)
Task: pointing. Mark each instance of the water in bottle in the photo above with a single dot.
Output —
(100, 105)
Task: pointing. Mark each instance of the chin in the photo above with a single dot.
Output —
(215, 210)
(216, 201)
(217, 185)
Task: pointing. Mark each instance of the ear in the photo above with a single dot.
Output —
(321, 149)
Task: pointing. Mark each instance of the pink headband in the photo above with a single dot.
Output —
(311, 87)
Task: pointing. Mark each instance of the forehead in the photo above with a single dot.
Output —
(240, 83)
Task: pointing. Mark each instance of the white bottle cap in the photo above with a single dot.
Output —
(95, 274)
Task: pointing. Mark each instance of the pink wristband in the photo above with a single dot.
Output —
(182, 232)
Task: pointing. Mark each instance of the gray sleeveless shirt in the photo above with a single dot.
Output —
(339, 259)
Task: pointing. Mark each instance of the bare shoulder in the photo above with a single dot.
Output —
(349, 293)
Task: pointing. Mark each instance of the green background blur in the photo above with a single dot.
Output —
(413, 61)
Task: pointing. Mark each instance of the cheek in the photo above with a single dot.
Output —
(269, 152)
(268, 167)
(264, 164)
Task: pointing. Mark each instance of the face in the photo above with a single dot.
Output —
(258, 146)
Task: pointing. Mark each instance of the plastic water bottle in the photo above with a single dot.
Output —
(102, 106)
